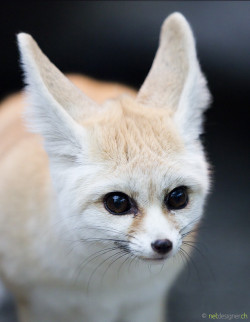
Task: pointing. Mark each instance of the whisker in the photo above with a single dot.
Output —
(134, 259)
(162, 266)
(186, 262)
(103, 239)
(116, 259)
(95, 239)
(190, 223)
(197, 229)
(113, 230)
(98, 266)
(203, 256)
(80, 241)
(191, 261)
(91, 258)
(129, 255)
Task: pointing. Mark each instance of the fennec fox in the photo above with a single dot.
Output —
(98, 195)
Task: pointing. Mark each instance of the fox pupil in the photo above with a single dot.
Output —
(177, 198)
(117, 203)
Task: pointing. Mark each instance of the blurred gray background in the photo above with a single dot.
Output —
(117, 41)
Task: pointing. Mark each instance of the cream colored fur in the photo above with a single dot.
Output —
(58, 253)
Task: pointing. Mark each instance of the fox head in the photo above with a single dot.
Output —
(132, 171)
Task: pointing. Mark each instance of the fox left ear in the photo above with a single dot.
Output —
(175, 80)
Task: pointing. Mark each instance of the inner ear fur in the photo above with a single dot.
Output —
(54, 104)
(175, 80)
(45, 78)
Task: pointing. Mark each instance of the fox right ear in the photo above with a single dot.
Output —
(44, 78)
(55, 104)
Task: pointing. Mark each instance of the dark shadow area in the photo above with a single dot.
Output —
(117, 41)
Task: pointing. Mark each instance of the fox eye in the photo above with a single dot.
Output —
(117, 203)
(177, 198)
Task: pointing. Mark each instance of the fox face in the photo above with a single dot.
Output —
(130, 172)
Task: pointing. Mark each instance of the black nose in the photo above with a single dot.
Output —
(162, 246)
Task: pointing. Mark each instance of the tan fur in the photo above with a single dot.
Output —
(139, 132)
(12, 128)
(143, 145)
(137, 223)
(100, 91)
(173, 54)
(22, 157)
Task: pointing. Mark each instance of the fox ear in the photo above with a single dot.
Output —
(175, 80)
(55, 104)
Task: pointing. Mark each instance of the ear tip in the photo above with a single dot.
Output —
(177, 27)
(24, 40)
(177, 16)
(177, 21)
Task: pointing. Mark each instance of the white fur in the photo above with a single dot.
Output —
(98, 293)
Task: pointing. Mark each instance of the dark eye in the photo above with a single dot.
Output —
(177, 198)
(117, 203)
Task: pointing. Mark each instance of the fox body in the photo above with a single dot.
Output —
(100, 185)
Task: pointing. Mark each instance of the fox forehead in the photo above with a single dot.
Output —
(127, 133)
(139, 150)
